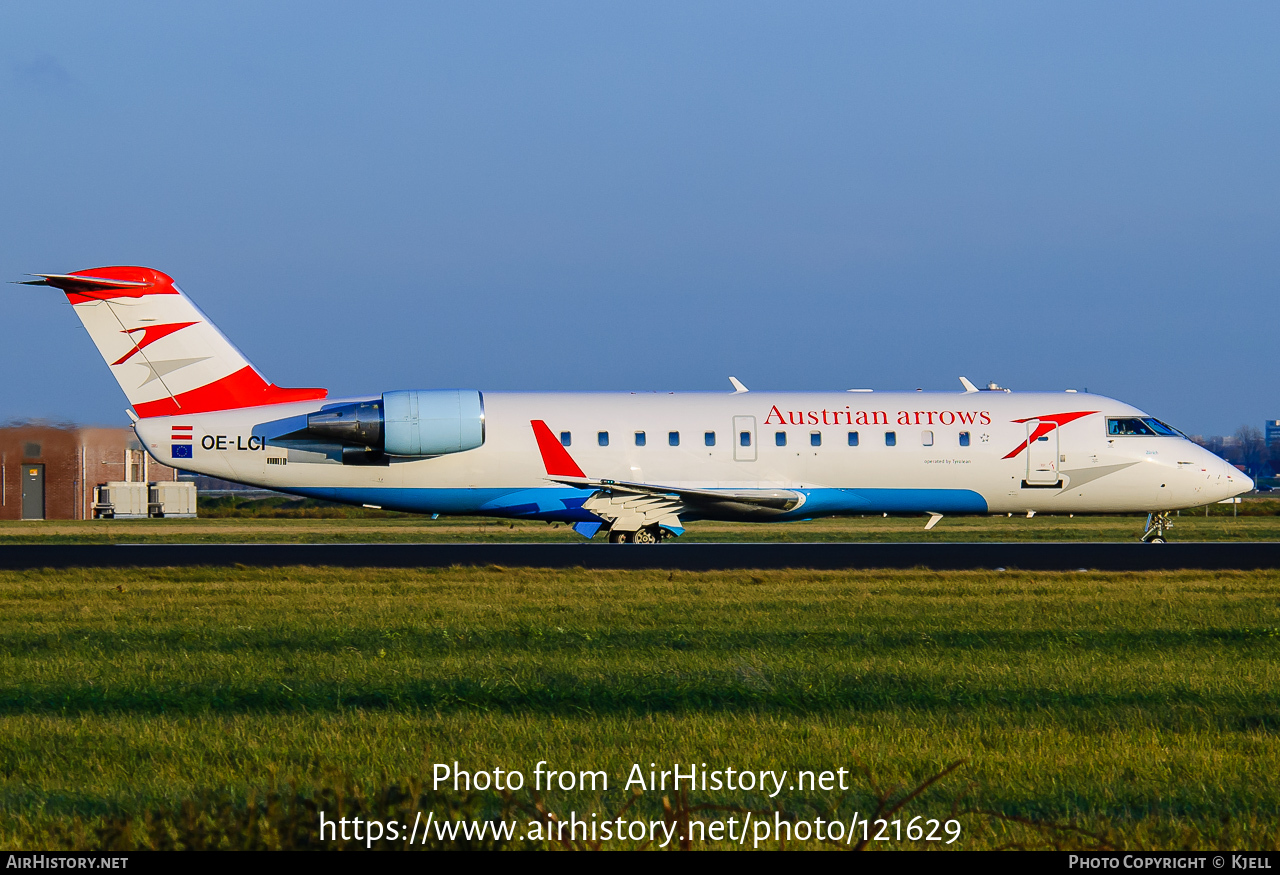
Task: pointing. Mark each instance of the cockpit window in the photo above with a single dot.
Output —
(1145, 426)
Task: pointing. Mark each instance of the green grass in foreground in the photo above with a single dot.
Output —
(1259, 521)
(1144, 708)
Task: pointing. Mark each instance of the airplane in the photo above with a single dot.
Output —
(638, 464)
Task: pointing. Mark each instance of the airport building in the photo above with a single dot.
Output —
(1271, 431)
(53, 472)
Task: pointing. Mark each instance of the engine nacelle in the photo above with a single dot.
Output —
(431, 422)
(413, 422)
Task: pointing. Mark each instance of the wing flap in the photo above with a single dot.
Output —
(632, 504)
(779, 500)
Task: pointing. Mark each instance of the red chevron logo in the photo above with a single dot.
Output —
(1047, 424)
(150, 334)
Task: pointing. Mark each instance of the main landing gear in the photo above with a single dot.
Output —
(647, 535)
(1157, 523)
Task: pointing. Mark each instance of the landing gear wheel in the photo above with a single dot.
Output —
(647, 535)
(1157, 523)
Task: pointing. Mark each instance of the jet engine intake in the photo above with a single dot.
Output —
(431, 422)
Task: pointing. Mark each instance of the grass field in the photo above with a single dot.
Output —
(1259, 521)
(1142, 708)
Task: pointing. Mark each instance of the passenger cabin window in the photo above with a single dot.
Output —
(602, 438)
(815, 438)
(673, 438)
(964, 438)
(1141, 427)
(565, 438)
(780, 438)
(744, 438)
(926, 438)
(709, 438)
(639, 439)
(853, 438)
(890, 438)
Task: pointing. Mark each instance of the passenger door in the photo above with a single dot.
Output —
(1042, 455)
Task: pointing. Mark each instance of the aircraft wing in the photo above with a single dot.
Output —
(776, 500)
(629, 506)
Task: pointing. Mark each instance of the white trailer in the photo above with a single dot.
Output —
(122, 500)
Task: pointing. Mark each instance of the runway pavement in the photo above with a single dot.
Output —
(1032, 556)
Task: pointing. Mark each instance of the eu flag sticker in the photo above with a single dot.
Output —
(181, 451)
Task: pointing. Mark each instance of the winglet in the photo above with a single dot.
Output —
(968, 387)
(738, 388)
(587, 530)
(555, 457)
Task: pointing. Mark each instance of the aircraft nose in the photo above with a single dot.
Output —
(1238, 482)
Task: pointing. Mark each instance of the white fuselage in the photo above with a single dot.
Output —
(946, 453)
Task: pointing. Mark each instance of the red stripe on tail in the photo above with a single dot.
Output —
(244, 388)
(555, 457)
(96, 285)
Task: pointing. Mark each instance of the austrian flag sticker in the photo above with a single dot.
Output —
(181, 442)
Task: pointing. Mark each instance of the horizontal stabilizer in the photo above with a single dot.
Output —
(67, 281)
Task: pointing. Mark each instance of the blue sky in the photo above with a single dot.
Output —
(653, 196)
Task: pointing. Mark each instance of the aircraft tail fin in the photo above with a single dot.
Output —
(165, 354)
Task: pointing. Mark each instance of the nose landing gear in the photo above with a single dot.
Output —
(1157, 523)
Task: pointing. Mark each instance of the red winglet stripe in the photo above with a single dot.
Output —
(244, 388)
(184, 428)
(555, 457)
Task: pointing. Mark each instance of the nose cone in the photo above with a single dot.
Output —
(1237, 482)
(1245, 481)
